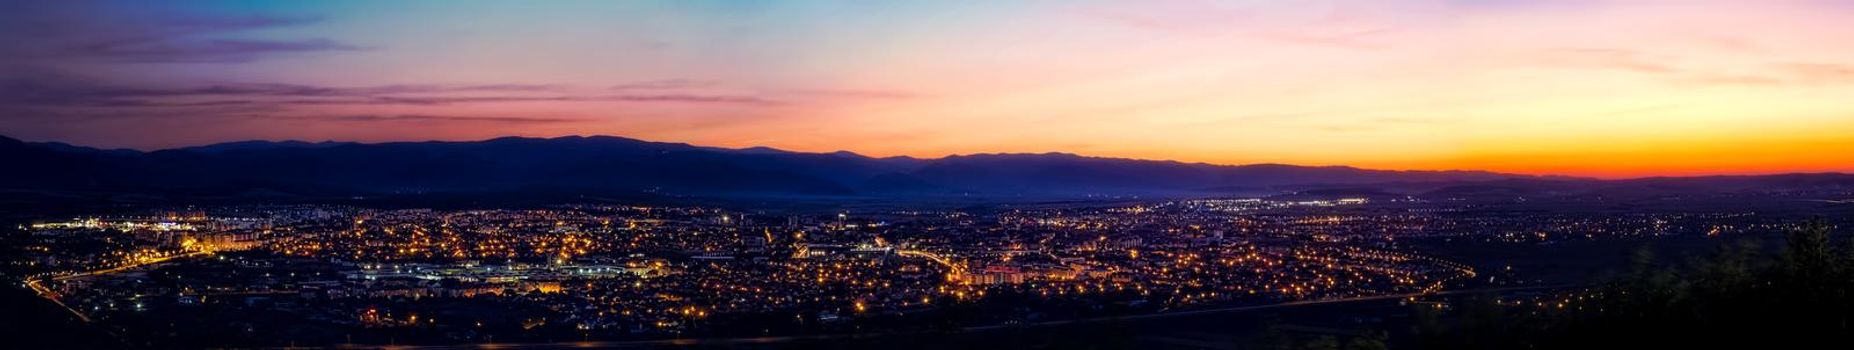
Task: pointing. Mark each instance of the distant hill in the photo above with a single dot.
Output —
(262, 145)
(605, 165)
(1645, 188)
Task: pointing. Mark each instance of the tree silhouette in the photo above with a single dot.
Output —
(1737, 297)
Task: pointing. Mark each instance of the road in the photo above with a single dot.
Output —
(953, 268)
(48, 294)
(974, 329)
(129, 266)
(53, 297)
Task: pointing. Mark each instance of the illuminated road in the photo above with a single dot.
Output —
(786, 339)
(48, 294)
(129, 266)
(956, 269)
(53, 297)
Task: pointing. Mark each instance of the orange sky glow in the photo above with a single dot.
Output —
(1608, 89)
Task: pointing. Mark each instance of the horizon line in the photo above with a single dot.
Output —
(1539, 175)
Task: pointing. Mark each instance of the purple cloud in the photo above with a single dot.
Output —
(855, 93)
(430, 118)
(65, 91)
(667, 84)
(208, 24)
(61, 32)
(156, 50)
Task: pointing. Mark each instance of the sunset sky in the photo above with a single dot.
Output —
(1592, 88)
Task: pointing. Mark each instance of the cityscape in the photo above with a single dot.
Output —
(612, 275)
(926, 174)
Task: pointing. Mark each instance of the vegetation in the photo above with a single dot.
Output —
(1742, 296)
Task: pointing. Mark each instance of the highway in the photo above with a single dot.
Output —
(956, 269)
(973, 329)
(129, 266)
(53, 297)
(48, 294)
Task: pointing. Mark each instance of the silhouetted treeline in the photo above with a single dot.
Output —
(1742, 296)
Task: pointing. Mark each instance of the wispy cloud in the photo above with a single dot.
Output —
(66, 35)
(667, 84)
(1820, 72)
(229, 115)
(1354, 40)
(449, 100)
(429, 118)
(1664, 67)
(1779, 75)
(79, 93)
(210, 24)
(1335, 29)
(1608, 58)
(872, 94)
(1734, 79)
(156, 50)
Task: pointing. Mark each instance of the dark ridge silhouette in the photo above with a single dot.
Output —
(616, 166)
(263, 145)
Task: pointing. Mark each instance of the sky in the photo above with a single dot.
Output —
(1572, 87)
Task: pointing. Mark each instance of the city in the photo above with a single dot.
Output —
(926, 174)
(322, 275)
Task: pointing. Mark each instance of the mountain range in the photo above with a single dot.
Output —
(606, 165)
